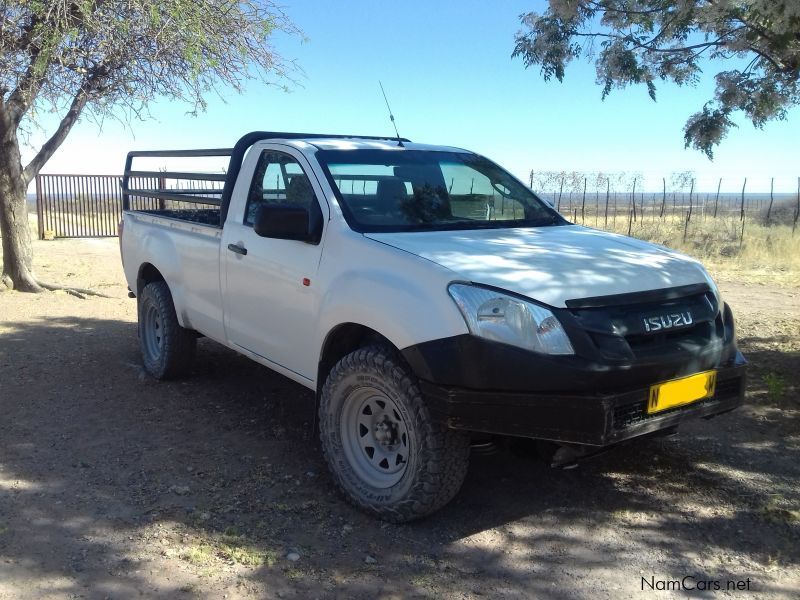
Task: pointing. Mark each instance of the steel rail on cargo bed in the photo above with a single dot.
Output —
(228, 178)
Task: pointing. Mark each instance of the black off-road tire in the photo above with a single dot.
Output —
(167, 348)
(437, 459)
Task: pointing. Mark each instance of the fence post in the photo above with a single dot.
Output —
(771, 198)
(162, 185)
(663, 198)
(631, 212)
(741, 210)
(39, 211)
(531, 181)
(689, 212)
(583, 203)
(560, 191)
(741, 238)
(716, 200)
(633, 204)
(641, 209)
(608, 191)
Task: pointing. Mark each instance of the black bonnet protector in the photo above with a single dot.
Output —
(649, 326)
(647, 296)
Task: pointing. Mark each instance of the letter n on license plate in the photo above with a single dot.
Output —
(681, 391)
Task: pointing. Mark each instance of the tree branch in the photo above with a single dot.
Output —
(60, 134)
(767, 58)
(626, 38)
(29, 84)
(26, 86)
(72, 291)
(628, 11)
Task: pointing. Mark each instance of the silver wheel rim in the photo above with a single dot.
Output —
(374, 437)
(153, 332)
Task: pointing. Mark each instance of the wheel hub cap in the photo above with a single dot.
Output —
(153, 332)
(385, 433)
(375, 437)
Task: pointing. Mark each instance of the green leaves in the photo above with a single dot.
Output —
(122, 54)
(642, 41)
(706, 129)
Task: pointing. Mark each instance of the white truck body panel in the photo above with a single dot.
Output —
(552, 264)
(187, 255)
(270, 314)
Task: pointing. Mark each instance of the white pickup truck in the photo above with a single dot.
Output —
(428, 298)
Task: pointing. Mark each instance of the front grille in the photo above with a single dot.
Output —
(627, 415)
(617, 331)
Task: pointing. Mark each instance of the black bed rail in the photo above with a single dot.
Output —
(199, 196)
(205, 195)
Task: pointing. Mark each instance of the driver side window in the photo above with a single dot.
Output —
(278, 179)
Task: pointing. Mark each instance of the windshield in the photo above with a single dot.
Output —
(417, 190)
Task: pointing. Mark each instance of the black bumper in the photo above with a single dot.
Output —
(592, 419)
(593, 397)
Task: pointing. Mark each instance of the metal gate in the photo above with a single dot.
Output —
(71, 206)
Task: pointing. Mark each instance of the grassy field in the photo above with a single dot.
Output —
(766, 254)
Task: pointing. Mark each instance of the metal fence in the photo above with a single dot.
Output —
(91, 205)
(599, 208)
(595, 201)
(70, 206)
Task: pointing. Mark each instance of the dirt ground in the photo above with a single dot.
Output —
(115, 486)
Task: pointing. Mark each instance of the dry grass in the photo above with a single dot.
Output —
(767, 254)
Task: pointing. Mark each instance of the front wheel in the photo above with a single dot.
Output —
(167, 348)
(385, 451)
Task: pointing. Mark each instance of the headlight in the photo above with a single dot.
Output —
(496, 316)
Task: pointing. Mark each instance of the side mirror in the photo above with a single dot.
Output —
(283, 222)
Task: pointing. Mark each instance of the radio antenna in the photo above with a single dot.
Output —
(391, 116)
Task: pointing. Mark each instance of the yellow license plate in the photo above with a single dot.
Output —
(681, 391)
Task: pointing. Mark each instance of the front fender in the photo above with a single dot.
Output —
(403, 297)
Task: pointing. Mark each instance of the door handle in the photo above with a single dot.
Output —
(238, 249)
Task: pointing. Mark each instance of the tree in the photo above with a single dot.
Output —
(101, 58)
(644, 41)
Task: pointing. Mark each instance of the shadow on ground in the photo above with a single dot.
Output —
(114, 484)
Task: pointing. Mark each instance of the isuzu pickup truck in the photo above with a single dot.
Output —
(428, 298)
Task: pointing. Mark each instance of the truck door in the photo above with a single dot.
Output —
(270, 300)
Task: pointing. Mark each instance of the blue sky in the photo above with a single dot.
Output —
(448, 72)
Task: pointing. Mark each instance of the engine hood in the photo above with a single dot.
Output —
(552, 264)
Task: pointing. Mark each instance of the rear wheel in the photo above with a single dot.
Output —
(167, 348)
(384, 449)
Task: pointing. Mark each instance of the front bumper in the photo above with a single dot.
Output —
(595, 419)
(597, 396)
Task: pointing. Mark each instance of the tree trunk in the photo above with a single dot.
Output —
(14, 228)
